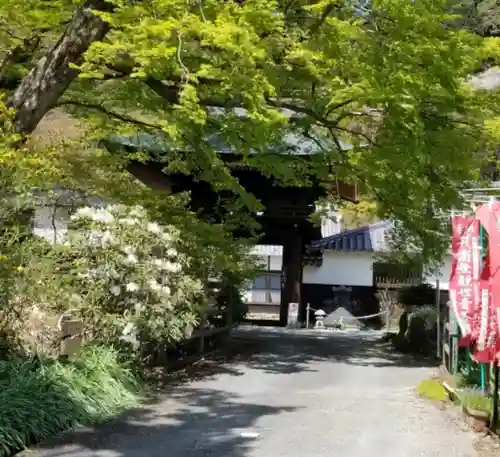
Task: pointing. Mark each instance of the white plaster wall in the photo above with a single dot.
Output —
(443, 275)
(269, 262)
(332, 224)
(260, 297)
(275, 263)
(342, 268)
(50, 223)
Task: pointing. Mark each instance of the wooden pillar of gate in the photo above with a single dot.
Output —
(291, 272)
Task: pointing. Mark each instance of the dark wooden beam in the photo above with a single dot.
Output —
(292, 271)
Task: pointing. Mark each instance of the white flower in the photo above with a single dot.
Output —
(157, 262)
(129, 249)
(129, 221)
(132, 287)
(154, 285)
(137, 211)
(102, 215)
(116, 290)
(153, 227)
(93, 213)
(130, 259)
(166, 236)
(109, 272)
(75, 298)
(165, 265)
(172, 252)
(129, 335)
(173, 267)
(138, 307)
(128, 329)
(82, 213)
(166, 290)
(107, 238)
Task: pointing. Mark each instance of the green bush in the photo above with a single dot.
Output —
(416, 335)
(410, 335)
(428, 314)
(42, 398)
(419, 295)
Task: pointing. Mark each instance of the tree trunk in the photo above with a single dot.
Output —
(52, 75)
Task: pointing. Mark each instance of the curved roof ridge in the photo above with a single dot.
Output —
(368, 238)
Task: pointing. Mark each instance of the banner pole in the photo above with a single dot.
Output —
(482, 366)
(494, 416)
(438, 323)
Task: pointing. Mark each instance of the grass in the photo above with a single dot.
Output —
(475, 400)
(432, 389)
(470, 394)
(464, 380)
(40, 399)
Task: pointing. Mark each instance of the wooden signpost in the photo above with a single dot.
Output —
(71, 335)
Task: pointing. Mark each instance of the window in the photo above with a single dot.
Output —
(266, 289)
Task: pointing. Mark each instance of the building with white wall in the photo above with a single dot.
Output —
(355, 256)
(53, 211)
(347, 273)
(266, 289)
(350, 272)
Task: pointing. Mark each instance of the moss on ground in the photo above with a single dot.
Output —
(432, 389)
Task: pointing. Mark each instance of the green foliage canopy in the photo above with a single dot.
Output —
(389, 80)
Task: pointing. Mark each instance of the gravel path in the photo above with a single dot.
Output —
(301, 394)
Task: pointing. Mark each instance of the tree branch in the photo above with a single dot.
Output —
(326, 12)
(53, 73)
(109, 113)
(170, 93)
(353, 132)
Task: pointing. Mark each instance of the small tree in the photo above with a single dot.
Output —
(388, 304)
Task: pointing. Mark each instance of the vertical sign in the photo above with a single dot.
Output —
(293, 314)
(464, 286)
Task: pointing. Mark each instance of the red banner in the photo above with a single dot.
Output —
(486, 326)
(464, 290)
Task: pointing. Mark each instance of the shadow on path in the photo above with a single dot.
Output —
(196, 420)
(279, 352)
(193, 422)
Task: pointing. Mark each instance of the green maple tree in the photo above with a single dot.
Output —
(387, 78)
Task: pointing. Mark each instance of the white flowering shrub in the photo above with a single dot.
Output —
(130, 282)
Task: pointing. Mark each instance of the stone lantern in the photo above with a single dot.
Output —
(320, 317)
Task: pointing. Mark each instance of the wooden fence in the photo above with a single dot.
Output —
(388, 282)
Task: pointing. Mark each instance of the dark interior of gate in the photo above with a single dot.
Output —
(284, 221)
